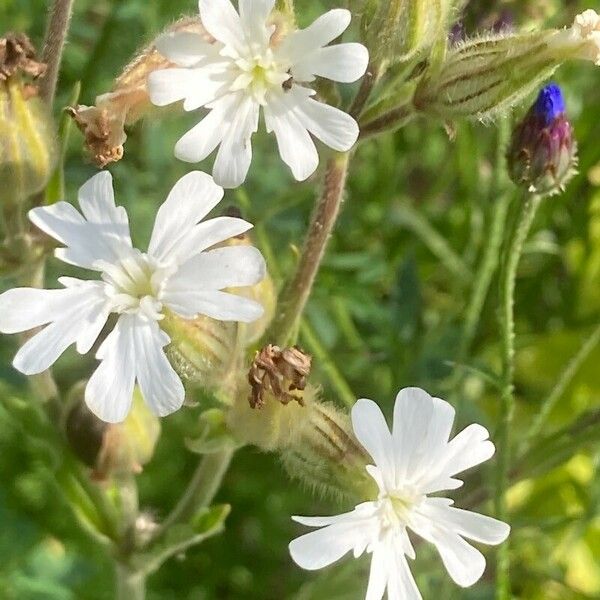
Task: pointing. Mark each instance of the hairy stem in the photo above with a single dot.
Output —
(201, 489)
(512, 258)
(562, 383)
(56, 34)
(295, 296)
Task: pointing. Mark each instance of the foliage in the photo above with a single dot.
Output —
(388, 309)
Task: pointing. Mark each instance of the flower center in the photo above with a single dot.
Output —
(258, 74)
(134, 284)
(396, 507)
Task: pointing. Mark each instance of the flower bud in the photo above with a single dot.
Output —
(27, 137)
(285, 415)
(111, 449)
(486, 76)
(543, 152)
(402, 29)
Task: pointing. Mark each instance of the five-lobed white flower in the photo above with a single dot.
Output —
(248, 67)
(583, 37)
(179, 273)
(417, 459)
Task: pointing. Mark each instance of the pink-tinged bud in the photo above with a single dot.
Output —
(543, 153)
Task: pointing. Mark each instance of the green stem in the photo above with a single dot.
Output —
(562, 383)
(131, 584)
(507, 325)
(201, 489)
(295, 296)
(56, 35)
(326, 364)
(485, 273)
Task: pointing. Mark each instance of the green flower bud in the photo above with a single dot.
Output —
(486, 76)
(283, 414)
(401, 29)
(111, 449)
(27, 136)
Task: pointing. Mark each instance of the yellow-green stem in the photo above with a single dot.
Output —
(512, 258)
(201, 489)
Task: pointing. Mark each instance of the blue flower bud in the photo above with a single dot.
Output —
(543, 152)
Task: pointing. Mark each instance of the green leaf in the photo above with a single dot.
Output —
(55, 190)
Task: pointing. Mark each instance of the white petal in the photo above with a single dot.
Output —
(295, 145)
(322, 31)
(235, 153)
(203, 138)
(97, 201)
(184, 48)
(109, 391)
(323, 547)
(216, 305)
(231, 266)
(22, 309)
(190, 200)
(344, 63)
(104, 236)
(253, 16)
(372, 432)
(78, 315)
(401, 583)
(378, 574)
(214, 231)
(159, 383)
(469, 448)
(474, 526)
(255, 10)
(324, 521)
(166, 86)
(198, 86)
(332, 126)
(222, 21)
(464, 563)
(422, 426)
(133, 351)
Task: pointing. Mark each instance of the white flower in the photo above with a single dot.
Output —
(178, 273)
(248, 67)
(415, 460)
(583, 37)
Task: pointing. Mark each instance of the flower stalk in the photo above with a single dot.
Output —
(131, 584)
(295, 296)
(508, 277)
(56, 35)
(201, 490)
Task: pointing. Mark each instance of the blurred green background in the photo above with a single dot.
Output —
(387, 309)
